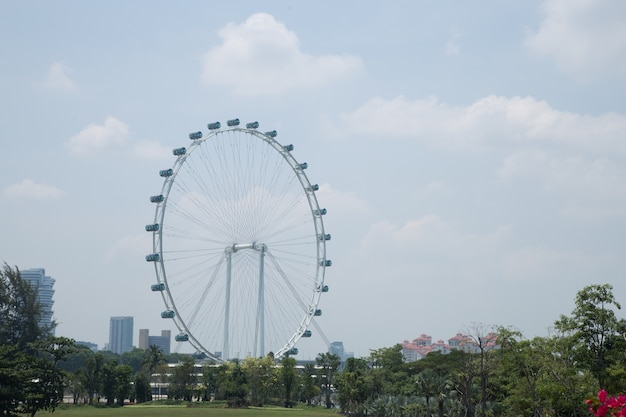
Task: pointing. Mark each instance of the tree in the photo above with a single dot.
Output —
(19, 310)
(109, 382)
(288, 376)
(354, 386)
(93, 375)
(329, 364)
(183, 380)
(594, 329)
(152, 359)
(309, 389)
(261, 378)
(123, 380)
(142, 387)
(30, 377)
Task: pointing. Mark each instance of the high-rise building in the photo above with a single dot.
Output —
(37, 279)
(163, 341)
(121, 334)
(336, 348)
(144, 334)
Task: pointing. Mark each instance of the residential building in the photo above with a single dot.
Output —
(121, 334)
(423, 345)
(44, 284)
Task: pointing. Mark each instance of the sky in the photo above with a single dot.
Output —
(471, 155)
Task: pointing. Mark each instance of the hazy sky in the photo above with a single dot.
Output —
(471, 155)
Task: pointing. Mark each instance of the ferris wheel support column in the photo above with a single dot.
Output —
(261, 301)
(229, 255)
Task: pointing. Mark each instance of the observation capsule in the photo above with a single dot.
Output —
(153, 257)
(181, 337)
(195, 135)
(179, 151)
(324, 237)
(319, 212)
(292, 351)
(233, 122)
(158, 287)
(271, 133)
(166, 172)
(252, 125)
(303, 165)
(325, 288)
(317, 313)
(288, 148)
(326, 262)
(313, 187)
(214, 126)
(157, 198)
(307, 333)
(152, 227)
(168, 314)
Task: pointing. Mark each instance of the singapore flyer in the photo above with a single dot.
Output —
(239, 246)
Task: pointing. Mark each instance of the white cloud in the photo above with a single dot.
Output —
(58, 78)
(151, 150)
(452, 48)
(585, 38)
(262, 57)
(432, 234)
(591, 188)
(488, 122)
(94, 138)
(29, 189)
(130, 247)
(346, 203)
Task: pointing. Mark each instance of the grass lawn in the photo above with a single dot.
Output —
(184, 411)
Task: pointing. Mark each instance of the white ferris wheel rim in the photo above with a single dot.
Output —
(234, 228)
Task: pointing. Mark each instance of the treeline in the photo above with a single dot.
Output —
(541, 377)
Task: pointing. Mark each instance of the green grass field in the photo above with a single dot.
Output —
(184, 411)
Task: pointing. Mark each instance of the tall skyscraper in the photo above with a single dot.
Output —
(37, 279)
(121, 334)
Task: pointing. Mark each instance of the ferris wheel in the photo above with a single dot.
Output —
(239, 246)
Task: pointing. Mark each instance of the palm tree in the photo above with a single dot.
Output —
(153, 357)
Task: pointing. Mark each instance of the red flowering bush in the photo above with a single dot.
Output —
(606, 406)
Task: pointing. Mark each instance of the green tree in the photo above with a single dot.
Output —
(183, 380)
(233, 384)
(30, 377)
(109, 382)
(289, 377)
(19, 310)
(354, 386)
(261, 378)
(309, 389)
(329, 363)
(142, 387)
(595, 329)
(93, 375)
(151, 360)
(123, 380)
(134, 359)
